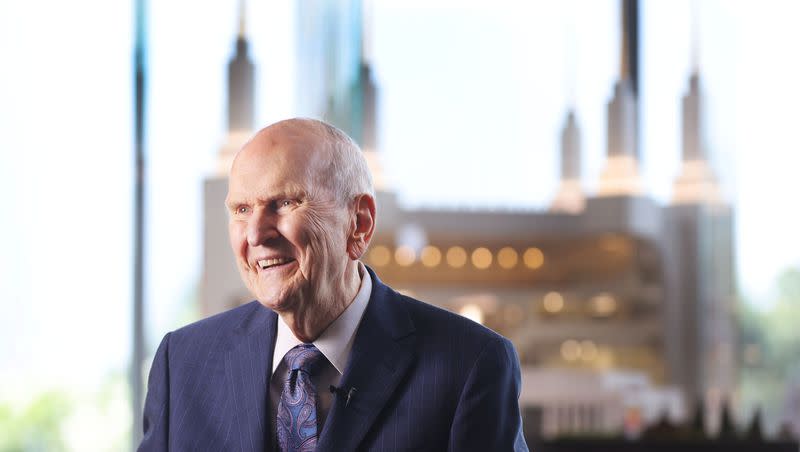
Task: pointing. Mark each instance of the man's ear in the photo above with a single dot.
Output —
(362, 226)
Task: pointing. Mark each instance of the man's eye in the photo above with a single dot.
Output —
(242, 210)
(280, 205)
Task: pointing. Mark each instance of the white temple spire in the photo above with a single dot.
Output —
(241, 89)
(621, 174)
(696, 182)
(242, 20)
(570, 197)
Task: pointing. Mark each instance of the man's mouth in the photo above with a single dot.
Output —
(264, 264)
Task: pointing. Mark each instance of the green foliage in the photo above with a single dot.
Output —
(783, 340)
(37, 427)
(774, 335)
(68, 419)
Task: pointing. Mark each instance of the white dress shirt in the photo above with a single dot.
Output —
(335, 344)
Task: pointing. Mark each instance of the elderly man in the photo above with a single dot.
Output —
(328, 358)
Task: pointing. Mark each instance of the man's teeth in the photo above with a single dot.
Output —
(267, 263)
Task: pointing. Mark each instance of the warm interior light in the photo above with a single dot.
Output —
(405, 255)
(570, 350)
(430, 256)
(553, 302)
(482, 258)
(603, 304)
(507, 257)
(456, 257)
(533, 258)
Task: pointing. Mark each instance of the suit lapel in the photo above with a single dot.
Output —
(247, 368)
(382, 352)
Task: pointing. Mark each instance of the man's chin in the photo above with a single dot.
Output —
(276, 303)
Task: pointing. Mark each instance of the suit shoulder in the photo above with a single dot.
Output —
(447, 339)
(435, 320)
(224, 321)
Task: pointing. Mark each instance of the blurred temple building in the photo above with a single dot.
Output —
(610, 291)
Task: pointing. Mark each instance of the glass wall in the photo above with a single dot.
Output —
(479, 88)
(65, 234)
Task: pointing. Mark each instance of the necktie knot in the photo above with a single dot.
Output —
(304, 357)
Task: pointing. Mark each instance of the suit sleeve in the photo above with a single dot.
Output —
(156, 406)
(487, 416)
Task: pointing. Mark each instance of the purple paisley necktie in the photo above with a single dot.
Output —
(297, 409)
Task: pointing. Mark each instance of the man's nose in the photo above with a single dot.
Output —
(260, 228)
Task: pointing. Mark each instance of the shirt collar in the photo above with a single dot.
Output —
(337, 340)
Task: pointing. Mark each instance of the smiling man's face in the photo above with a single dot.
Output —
(287, 230)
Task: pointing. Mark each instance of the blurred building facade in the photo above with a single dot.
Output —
(602, 282)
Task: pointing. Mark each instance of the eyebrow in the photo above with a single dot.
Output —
(230, 203)
(289, 192)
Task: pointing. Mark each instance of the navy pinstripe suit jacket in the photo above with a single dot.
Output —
(425, 380)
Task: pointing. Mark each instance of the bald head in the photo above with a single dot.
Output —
(333, 160)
